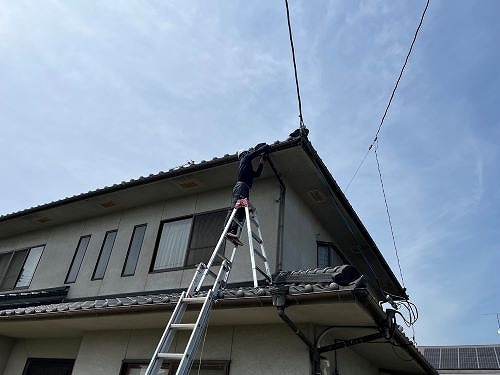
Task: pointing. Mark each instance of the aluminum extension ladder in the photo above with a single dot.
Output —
(203, 302)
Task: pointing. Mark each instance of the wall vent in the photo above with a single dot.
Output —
(107, 204)
(188, 184)
(317, 196)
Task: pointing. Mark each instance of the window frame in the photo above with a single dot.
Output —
(74, 256)
(100, 254)
(12, 254)
(334, 247)
(186, 255)
(210, 362)
(145, 225)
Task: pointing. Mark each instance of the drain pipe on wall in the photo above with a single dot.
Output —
(281, 218)
(279, 294)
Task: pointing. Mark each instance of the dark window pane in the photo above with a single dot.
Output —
(102, 262)
(207, 229)
(206, 368)
(134, 250)
(77, 259)
(15, 265)
(29, 267)
(4, 264)
(323, 256)
(328, 256)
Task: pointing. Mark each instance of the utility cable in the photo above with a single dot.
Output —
(301, 118)
(375, 138)
(389, 217)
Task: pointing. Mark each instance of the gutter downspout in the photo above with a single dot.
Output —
(279, 294)
(281, 218)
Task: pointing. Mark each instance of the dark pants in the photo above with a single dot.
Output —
(240, 191)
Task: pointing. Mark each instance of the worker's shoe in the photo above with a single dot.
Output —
(234, 239)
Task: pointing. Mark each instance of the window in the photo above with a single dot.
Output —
(187, 241)
(207, 368)
(81, 248)
(18, 267)
(328, 256)
(134, 249)
(104, 255)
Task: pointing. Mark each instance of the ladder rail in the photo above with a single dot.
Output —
(261, 244)
(203, 317)
(206, 301)
(250, 245)
(216, 250)
(166, 339)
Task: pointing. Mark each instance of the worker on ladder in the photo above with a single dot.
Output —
(243, 185)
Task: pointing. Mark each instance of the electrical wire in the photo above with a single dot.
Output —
(389, 217)
(375, 138)
(301, 118)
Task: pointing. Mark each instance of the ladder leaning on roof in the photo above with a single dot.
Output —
(204, 301)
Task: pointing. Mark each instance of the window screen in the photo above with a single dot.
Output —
(77, 259)
(29, 267)
(134, 249)
(207, 229)
(104, 255)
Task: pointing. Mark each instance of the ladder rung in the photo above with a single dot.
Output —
(254, 222)
(223, 258)
(194, 300)
(171, 356)
(263, 273)
(256, 238)
(183, 326)
(259, 254)
(212, 273)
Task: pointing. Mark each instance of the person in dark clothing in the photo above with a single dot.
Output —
(243, 185)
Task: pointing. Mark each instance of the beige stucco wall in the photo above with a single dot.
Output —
(302, 231)
(6, 344)
(61, 242)
(39, 348)
(252, 349)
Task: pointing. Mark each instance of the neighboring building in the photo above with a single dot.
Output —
(89, 281)
(463, 359)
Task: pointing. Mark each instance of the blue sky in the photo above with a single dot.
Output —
(93, 93)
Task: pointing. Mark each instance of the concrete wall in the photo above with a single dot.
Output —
(302, 231)
(40, 348)
(6, 344)
(61, 243)
(251, 349)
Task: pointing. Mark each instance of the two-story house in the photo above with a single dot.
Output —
(87, 283)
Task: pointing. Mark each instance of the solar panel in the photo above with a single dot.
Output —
(467, 357)
(449, 358)
(433, 356)
(487, 358)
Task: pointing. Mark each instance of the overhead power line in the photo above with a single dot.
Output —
(301, 118)
(375, 138)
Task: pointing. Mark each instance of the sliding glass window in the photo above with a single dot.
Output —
(134, 250)
(104, 255)
(76, 263)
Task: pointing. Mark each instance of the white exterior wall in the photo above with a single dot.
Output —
(251, 349)
(61, 243)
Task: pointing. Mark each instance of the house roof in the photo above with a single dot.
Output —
(317, 287)
(29, 305)
(34, 216)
